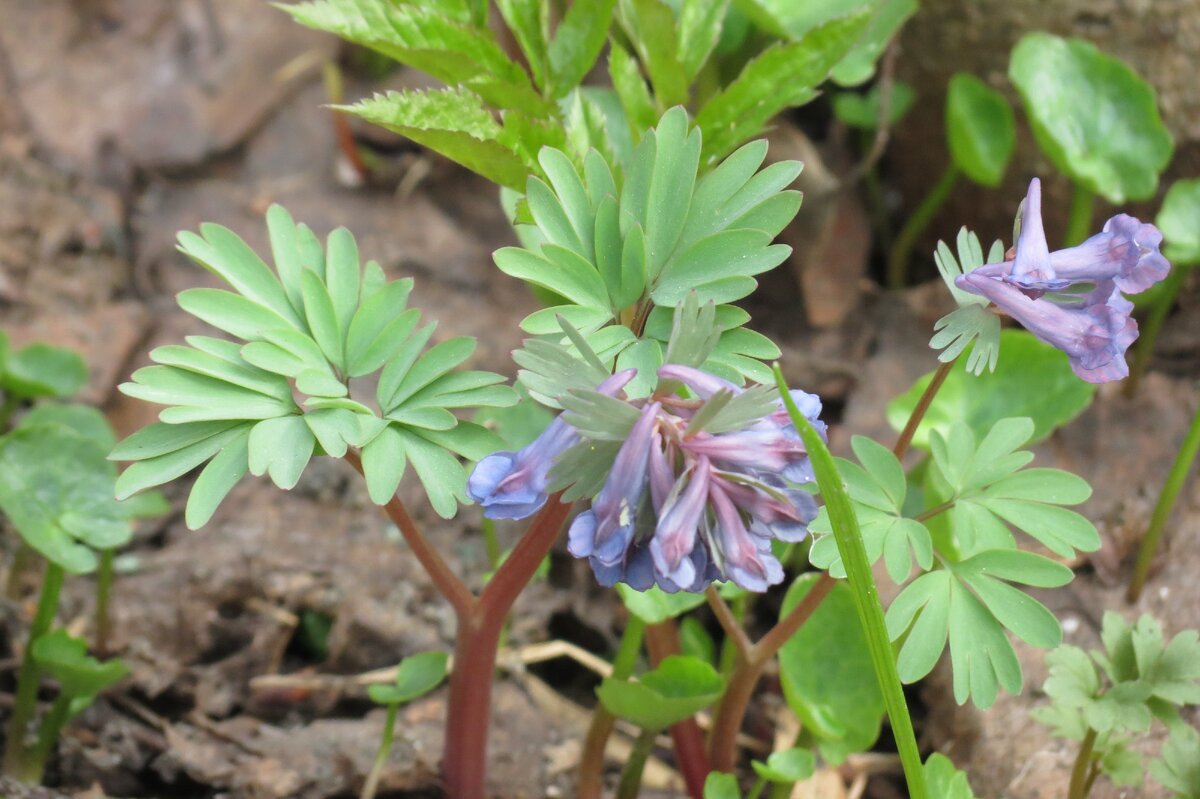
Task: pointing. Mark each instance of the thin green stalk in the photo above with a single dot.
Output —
(901, 250)
(51, 726)
(591, 761)
(862, 584)
(104, 580)
(1162, 510)
(381, 757)
(1083, 762)
(16, 763)
(7, 407)
(20, 563)
(1079, 223)
(757, 790)
(1151, 327)
(631, 777)
(491, 543)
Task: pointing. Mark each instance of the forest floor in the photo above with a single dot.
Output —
(122, 123)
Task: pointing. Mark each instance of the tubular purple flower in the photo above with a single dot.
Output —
(662, 479)
(675, 536)
(764, 450)
(1032, 267)
(1126, 252)
(702, 384)
(743, 556)
(1094, 333)
(773, 517)
(605, 531)
(512, 485)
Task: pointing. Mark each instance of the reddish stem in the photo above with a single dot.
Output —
(448, 584)
(732, 709)
(662, 641)
(469, 705)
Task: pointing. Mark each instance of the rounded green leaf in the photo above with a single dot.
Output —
(680, 687)
(41, 370)
(416, 676)
(720, 785)
(790, 765)
(1031, 379)
(56, 488)
(66, 659)
(1179, 221)
(862, 110)
(827, 675)
(655, 605)
(1092, 115)
(83, 419)
(980, 129)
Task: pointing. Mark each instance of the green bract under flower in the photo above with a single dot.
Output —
(268, 402)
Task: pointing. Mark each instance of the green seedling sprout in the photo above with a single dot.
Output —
(676, 690)
(1142, 678)
(416, 676)
(80, 678)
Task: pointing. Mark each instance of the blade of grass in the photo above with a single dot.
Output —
(866, 598)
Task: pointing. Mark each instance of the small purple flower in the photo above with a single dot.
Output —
(701, 383)
(1125, 252)
(675, 536)
(1094, 333)
(512, 485)
(1093, 329)
(767, 450)
(745, 557)
(604, 532)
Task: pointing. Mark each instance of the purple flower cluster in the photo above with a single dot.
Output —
(1093, 328)
(680, 508)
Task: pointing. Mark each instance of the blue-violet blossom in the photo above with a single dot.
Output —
(682, 509)
(1093, 328)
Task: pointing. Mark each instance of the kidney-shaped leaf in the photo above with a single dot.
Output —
(680, 687)
(827, 675)
(40, 370)
(980, 129)
(57, 489)
(1093, 116)
(1179, 221)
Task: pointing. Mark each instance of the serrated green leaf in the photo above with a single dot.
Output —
(455, 123)
(980, 129)
(781, 77)
(42, 370)
(217, 479)
(527, 19)
(700, 26)
(426, 38)
(650, 25)
(577, 43)
(1092, 115)
(631, 90)
(858, 65)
